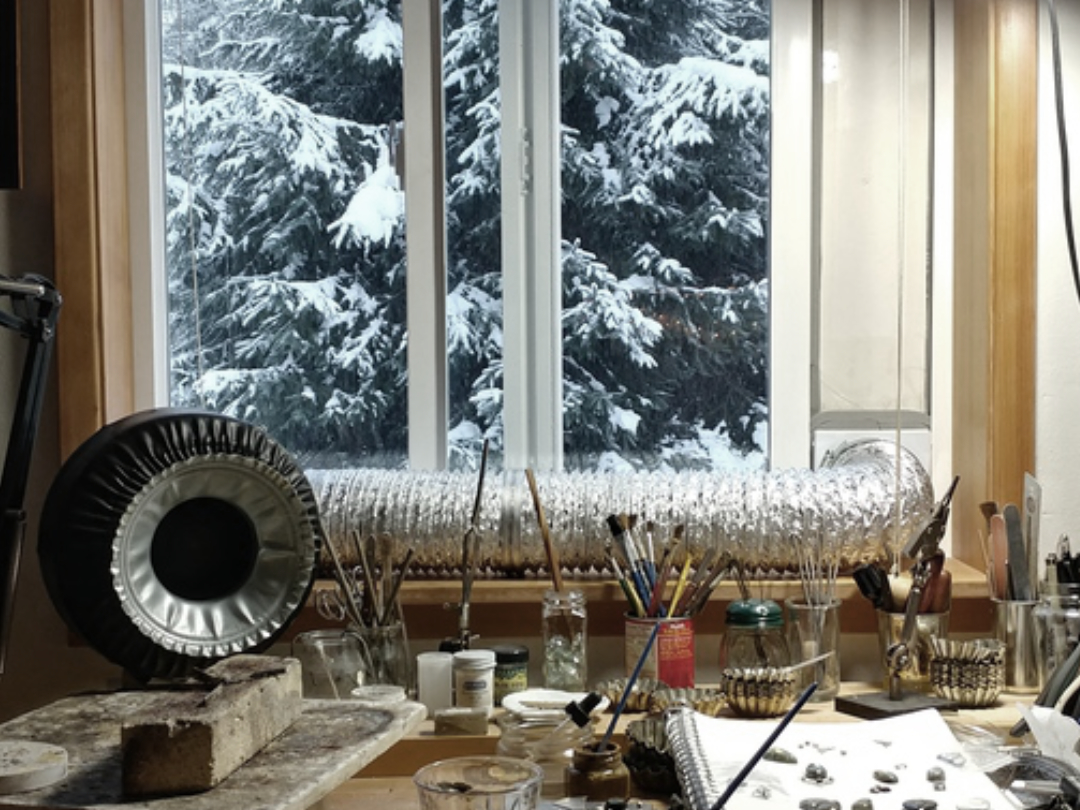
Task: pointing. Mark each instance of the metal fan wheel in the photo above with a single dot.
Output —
(171, 539)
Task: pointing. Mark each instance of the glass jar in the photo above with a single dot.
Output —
(332, 663)
(754, 635)
(1057, 625)
(391, 661)
(564, 618)
(597, 775)
(511, 670)
(549, 743)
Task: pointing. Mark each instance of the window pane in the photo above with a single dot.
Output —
(474, 228)
(665, 113)
(286, 232)
(873, 295)
(285, 220)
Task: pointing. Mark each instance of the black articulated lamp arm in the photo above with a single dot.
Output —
(35, 307)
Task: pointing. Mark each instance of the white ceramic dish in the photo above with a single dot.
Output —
(546, 704)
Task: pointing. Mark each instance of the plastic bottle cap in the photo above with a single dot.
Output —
(511, 653)
(474, 658)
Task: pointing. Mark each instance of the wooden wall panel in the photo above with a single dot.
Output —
(94, 348)
(995, 250)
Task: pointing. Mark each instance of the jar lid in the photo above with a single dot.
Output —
(474, 658)
(754, 613)
(511, 654)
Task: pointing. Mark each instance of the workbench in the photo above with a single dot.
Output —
(387, 783)
(328, 744)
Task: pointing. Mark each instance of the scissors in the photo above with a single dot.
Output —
(332, 604)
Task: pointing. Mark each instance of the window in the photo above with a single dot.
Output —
(789, 243)
(638, 338)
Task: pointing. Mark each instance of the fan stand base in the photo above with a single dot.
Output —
(878, 705)
(26, 765)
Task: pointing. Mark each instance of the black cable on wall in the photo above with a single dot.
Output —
(1063, 144)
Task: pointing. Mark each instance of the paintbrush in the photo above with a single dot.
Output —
(344, 583)
(392, 609)
(549, 547)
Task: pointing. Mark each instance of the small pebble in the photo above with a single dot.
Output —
(920, 804)
(935, 775)
(815, 773)
(862, 804)
(880, 789)
(780, 755)
(819, 804)
(888, 777)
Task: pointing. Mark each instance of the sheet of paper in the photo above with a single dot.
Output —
(1055, 734)
(906, 747)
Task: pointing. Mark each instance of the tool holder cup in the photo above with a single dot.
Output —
(1057, 625)
(1014, 626)
(915, 673)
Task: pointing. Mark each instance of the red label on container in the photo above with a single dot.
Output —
(671, 659)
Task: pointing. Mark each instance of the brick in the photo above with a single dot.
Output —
(188, 741)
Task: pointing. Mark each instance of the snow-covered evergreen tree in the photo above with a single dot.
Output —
(286, 224)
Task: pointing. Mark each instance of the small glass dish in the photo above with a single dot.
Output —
(491, 782)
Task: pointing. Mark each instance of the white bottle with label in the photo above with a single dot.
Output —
(474, 679)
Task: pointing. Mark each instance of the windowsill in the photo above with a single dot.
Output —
(429, 615)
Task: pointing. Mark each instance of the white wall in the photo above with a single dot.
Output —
(1058, 336)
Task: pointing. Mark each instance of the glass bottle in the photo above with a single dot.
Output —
(754, 635)
(597, 775)
(548, 742)
(564, 619)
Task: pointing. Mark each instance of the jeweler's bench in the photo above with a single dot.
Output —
(387, 782)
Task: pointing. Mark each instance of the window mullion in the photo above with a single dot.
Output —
(793, 247)
(425, 216)
(146, 211)
(532, 335)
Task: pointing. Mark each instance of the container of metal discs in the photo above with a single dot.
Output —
(970, 674)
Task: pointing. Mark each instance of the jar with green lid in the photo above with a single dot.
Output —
(511, 670)
(597, 775)
(754, 635)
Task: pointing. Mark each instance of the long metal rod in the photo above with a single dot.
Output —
(36, 308)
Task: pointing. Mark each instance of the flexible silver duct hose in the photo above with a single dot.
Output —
(851, 505)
